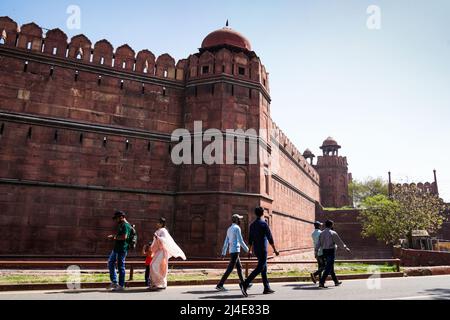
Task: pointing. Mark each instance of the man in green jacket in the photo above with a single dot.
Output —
(119, 252)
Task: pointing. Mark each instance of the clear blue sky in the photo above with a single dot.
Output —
(384, 95)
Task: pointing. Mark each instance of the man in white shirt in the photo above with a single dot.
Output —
(318, 253)
(234, 242)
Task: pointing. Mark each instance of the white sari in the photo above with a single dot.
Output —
(163, 248)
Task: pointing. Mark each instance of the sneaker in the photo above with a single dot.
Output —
(112, 286)
(118, 289)
(322, 286)
(269, 291)
(243, 289)
(221, 289)
(338, 284)
(313, 278)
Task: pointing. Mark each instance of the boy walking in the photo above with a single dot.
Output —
(148, 254)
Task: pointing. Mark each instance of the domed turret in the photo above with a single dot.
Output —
(226, 37)
(308, 155)
(330, 147)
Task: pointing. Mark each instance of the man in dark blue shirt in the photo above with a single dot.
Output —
(260, 237)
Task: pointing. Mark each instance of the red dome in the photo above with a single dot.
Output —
(330, 142)
(226, 36)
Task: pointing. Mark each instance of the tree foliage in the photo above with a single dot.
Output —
(409, 209)
(361, 190)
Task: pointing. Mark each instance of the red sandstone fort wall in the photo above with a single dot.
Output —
(59, 221)
(85, 129)
(295, 186)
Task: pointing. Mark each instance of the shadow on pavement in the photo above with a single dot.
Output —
(305, 287)
(438, 293)
(102, 291)
(226, 297)
(203, 292)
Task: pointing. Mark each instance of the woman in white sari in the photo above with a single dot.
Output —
(163, 248)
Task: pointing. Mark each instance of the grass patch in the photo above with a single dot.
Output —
(42, 278)
(339, 209)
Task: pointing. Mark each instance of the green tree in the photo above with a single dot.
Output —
(409, 209)
(361, 190)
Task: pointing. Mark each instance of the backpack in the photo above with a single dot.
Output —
(132, 238)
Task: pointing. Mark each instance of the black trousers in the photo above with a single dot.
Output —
(147, 276)
(330, 257)
(260, 269)
(235, 262)
(321, 263)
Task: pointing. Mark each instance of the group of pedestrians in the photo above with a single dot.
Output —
(325, 241)
(260, 237)
(163, 247)
(158, 252)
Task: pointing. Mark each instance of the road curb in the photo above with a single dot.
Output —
(135, 284)
(427, 271)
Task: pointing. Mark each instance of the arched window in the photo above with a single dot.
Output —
(29, 45)
(2, 40)
(200, 178)
(166, 74)
(197, 232)
(239, 180)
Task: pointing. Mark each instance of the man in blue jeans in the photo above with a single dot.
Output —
(260, 237)
(120, 251)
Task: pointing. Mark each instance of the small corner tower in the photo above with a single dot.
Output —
(308, 155)
(334, 176)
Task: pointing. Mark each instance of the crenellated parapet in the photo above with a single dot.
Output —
(335, 161)
(237, 65)
(8, 31)
(285, 144)
(427, 187)
(30, 37)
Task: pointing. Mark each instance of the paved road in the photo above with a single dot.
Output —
(421, 288)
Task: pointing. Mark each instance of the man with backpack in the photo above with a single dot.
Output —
(124, 240)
